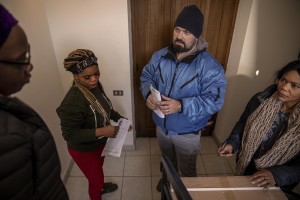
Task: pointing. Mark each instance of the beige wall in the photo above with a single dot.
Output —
(266, 37)
(54, 28)
(101, 26)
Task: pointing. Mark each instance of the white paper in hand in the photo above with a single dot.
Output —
(114, 146)
(156, 95)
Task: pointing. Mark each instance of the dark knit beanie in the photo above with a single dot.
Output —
(7, 21)
(191, 19)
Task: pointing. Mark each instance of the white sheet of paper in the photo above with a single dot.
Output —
(114, 146)
(157, 97)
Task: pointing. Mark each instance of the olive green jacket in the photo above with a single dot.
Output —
(79, 120)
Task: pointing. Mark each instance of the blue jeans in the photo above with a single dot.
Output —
(182, 150)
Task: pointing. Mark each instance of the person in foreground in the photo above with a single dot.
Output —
(192, 85)
(85, 115)
(30, 166)
(267, 135)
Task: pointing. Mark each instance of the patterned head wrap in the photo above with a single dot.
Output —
(79, 60)
(7, 21)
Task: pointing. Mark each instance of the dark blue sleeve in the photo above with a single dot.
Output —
(288, 173)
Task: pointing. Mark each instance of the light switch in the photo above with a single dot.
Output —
(118, 92)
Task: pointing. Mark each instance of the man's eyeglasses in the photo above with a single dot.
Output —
(25, 62)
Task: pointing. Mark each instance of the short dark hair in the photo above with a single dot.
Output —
(294, 65)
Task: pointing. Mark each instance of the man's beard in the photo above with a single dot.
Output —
(179, 48)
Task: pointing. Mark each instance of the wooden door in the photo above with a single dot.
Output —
(152, 27)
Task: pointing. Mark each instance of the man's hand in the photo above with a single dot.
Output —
(168, 106)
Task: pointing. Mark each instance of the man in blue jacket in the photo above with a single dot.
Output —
(192, 87)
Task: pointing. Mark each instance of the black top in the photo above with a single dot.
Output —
(30, 167)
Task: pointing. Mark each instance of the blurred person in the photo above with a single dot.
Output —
(30, 166)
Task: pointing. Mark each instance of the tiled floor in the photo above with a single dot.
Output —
(137, 172)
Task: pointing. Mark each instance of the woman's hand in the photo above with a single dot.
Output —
(263, 178)
(107, 131)
(130, 127)
(225, 151)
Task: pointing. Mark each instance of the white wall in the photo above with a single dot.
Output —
(103, 27)
(266, 37)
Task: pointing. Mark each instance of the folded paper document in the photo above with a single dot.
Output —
(156, 95)
(114, 146)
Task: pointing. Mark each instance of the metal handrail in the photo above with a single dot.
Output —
(170, 177)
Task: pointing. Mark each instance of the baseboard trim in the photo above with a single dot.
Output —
(66, 175)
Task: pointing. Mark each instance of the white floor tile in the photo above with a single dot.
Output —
(136, 188)
(200, 166)
(77, 188)
(154, 147)
(232, 162)
(208, 146)
(142, 148)
(114, 166)
(216, 165)
(155, 165)
(137, 166)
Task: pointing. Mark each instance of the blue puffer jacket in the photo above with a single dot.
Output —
(198, 81)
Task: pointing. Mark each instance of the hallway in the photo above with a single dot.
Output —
(137, 172)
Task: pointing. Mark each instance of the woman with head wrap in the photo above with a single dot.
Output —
(85, 115)
(267, 135)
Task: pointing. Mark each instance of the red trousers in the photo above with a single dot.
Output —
(91, 164)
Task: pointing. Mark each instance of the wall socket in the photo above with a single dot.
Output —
(118, 92)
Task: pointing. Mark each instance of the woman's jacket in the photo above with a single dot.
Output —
(79, 121)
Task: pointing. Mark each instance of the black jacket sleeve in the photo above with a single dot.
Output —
(288, 173)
